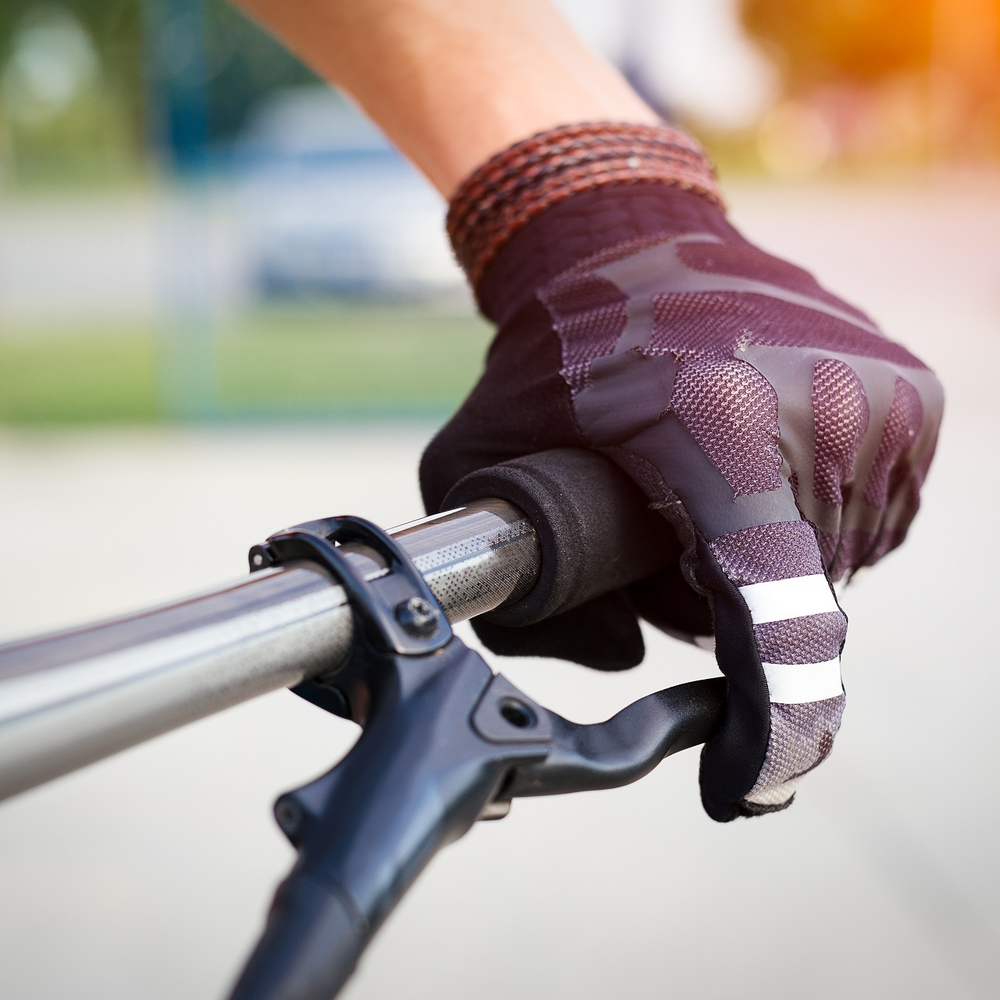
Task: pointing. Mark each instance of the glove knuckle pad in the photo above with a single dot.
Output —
(731, 411)
(840, 415)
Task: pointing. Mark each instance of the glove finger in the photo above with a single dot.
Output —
(778, 627)
(779, 636)
(875, 429)
(903, 458)
(859, 432)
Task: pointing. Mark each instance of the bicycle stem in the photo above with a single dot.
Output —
(532, 538)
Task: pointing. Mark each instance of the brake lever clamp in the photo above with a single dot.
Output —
(397, 608)
(396, 616)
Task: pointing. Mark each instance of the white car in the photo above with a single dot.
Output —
(331, 207)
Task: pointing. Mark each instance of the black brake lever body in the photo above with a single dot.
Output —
(444, 742)
(439, 739)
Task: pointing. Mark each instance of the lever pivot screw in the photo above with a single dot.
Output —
(417, 616)
(289, 816)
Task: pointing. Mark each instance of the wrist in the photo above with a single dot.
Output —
(547, 202)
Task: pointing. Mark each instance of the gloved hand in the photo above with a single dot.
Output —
(779, 432)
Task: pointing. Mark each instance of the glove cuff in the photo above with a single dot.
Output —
(502, 196)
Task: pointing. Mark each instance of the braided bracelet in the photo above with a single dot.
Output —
(509, 190)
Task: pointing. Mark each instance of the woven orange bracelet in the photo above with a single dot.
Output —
(508, 191)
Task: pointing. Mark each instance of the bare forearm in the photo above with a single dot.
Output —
(452, 82)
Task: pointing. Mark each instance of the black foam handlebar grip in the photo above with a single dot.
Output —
(594, 525)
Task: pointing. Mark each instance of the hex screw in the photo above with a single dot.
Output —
(417, 616)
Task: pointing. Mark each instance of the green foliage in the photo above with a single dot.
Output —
(354, 359)
(293, 361)
(84, 377)
(100, 135)
(94, 132)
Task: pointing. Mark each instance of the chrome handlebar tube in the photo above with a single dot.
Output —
(73, 697)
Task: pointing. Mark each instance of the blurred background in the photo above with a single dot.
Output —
(226, 304)
(193, 227)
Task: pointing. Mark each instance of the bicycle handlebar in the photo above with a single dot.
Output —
(444, 741)
(73, 697)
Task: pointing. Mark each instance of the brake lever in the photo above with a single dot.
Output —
(627, 746)
(444, 742)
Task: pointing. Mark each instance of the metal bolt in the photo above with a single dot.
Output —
(289, 816)
(417, 616)
(258, 559)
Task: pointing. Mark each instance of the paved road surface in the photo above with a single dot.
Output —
(147, 876)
